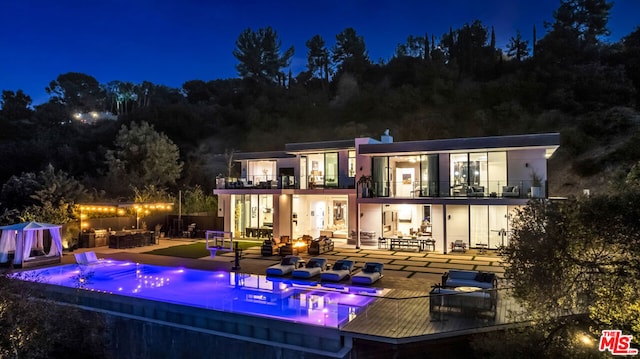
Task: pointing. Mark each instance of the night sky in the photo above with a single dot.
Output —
(171, 42)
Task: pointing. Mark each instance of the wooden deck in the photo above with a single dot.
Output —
(403, 316)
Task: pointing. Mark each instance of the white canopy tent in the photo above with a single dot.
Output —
(23, 239)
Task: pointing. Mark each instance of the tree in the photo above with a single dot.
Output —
(78, 92)
(151, 193)
(575, 32)
(31, 192)
(350, 53)
(15, 113)
(121, 96)
(585, 18)
(416, 46)
(143, 157)
(197, 92)
(318, 58)
(631, 58)
(468, 47)
(52, 114)
(569, 261)
(517, 47)
(259, 55)
(229, 155)
(16, 192)
(535, 40)
(58, 186)
(16, 106)
(196, 200)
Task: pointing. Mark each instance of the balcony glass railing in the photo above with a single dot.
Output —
(444, 312)
(505, 189)
(400, 189)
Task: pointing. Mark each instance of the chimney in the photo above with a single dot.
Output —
(386, 138)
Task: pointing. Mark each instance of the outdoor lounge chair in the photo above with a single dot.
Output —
(340, 270)
(286, 266)
(314, 267)
(80, 258)
(86, 258)
(371, 272)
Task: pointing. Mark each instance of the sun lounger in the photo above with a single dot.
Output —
(340, 270)
(286, 266)
(371, 272)
(80, 258)
(86, 258)
(314, 267)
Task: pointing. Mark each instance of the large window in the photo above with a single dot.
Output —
(323, 169)
(497, 167)
(459, 174)
(429, 184)
(478, 169)
(316, 172)
(261, 171)
(488, 225)
(331, 169)
(352, 163)
(381, 176)
(485, 171)
(251, 211)
(406, 176)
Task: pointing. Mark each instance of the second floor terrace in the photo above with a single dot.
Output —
(503, 166)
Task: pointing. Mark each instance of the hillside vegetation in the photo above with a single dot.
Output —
(457, 84)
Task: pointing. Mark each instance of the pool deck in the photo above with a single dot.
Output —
(409, 270)
(403, 316)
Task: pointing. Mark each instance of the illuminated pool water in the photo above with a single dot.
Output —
(296, 301)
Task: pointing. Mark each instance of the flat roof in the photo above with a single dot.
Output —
(459, 144)
(266, 155)
(322, 145)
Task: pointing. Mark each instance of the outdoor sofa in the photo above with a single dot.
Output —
(320, 245)
(478, 302)
(466, 278)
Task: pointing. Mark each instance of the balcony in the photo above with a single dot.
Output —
(278, 182)
(492, 189)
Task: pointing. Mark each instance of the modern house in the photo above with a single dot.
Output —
(463, 189)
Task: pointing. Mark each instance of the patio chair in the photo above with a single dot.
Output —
(286, 266)
(340, 270)
(458, 246)
(314, 267)
(190, 232)
(371, 273)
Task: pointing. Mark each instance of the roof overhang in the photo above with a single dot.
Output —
(267, 155)
(323, 146)
(549, 141)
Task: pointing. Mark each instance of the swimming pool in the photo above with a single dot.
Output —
(311, 303)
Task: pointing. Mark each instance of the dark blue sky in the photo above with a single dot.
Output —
(170, 42)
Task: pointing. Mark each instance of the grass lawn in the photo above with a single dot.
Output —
(195, 250)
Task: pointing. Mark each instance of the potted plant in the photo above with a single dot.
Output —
(536, 185)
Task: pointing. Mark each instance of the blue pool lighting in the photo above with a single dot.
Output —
(311, 303)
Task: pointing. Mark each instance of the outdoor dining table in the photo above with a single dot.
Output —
(258, 232)
(130, 239)
(421, 243)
